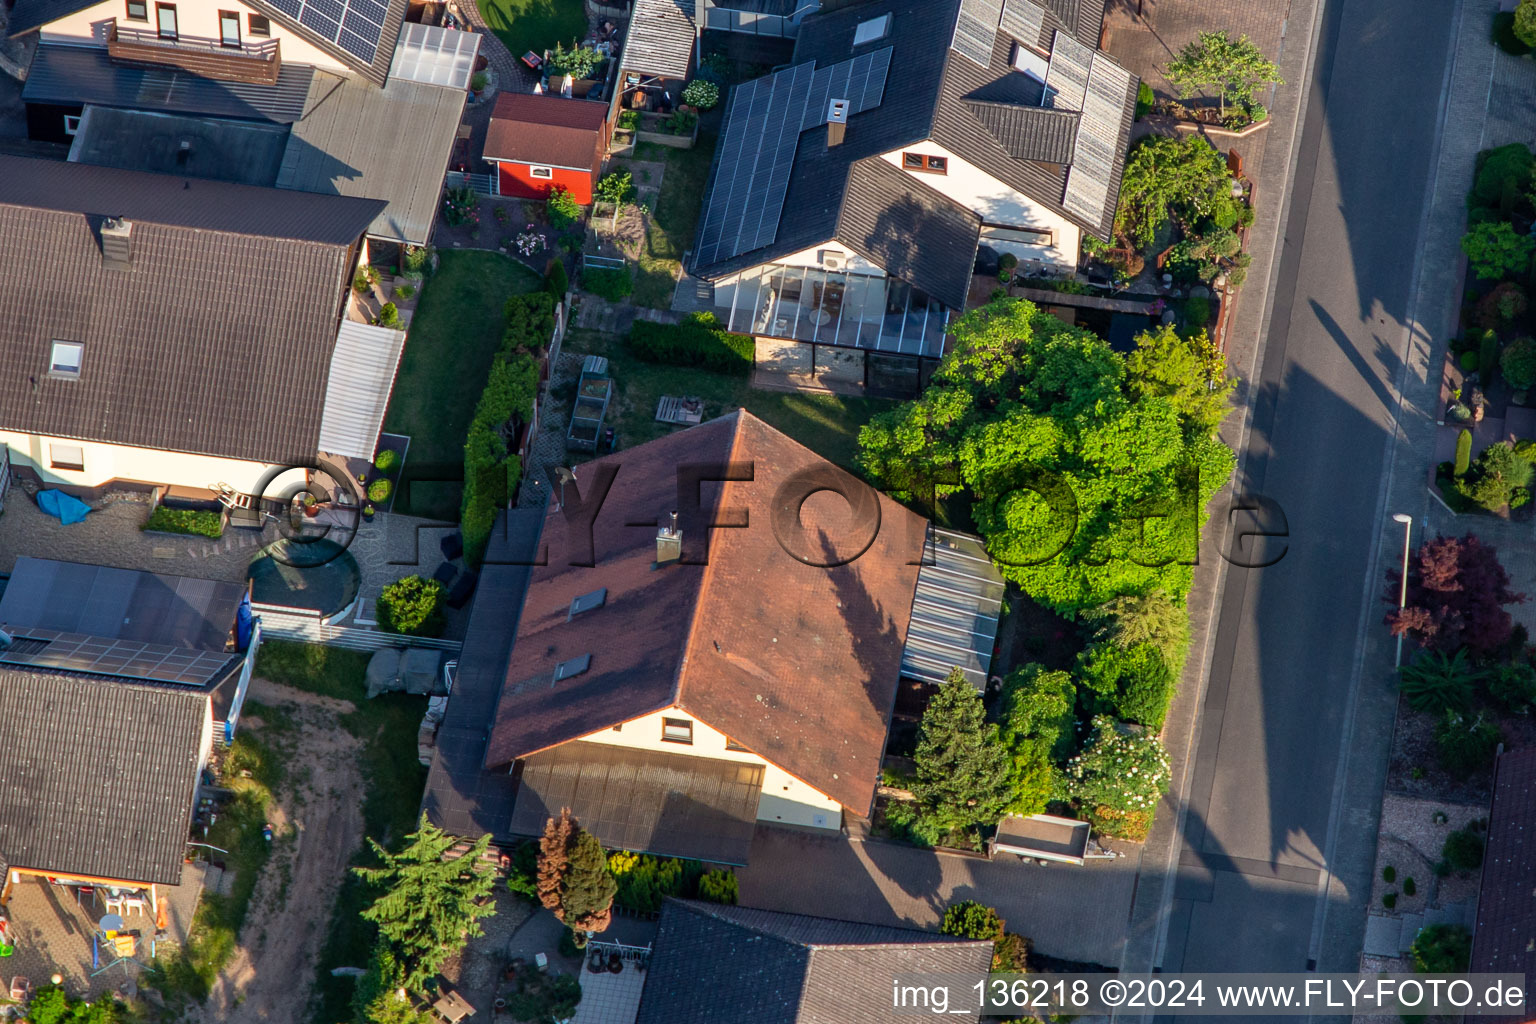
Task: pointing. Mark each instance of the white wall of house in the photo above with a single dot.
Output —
(997, 204)
(205, 745)
(785, 798)
(104, 463)
(197, 19)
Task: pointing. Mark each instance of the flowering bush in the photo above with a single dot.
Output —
(1123, 771)
(701, 94)
(531, 242)
(460, 206)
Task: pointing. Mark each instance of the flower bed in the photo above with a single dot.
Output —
(189, 521)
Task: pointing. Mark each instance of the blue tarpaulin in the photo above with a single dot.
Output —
(66, 507)
(243, 623)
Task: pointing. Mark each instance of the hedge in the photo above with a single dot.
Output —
(196, 522)
(700, 340)
(1463, 454)
(530, 322)
(489, 473)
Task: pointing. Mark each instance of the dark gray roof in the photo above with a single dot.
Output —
(295, 15)
(68, 75)
(941, 95)
(247, 152)
(782, 8)
(789, 968)
(125, 604)
(1029, 133)
(647, 801)
(349, 143)
(227, 359)
(462, 797)
(914, 232)
(99, 778)
(30, 14)
(133, 661)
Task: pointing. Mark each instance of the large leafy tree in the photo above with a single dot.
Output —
(1086, 484)
(1495, 249)
(1166, 178)
(1457, 591)
(430, 907)
(574, 879)
(962, 773)
(1234, 69)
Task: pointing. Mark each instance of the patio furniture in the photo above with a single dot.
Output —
(532, 60)
(452, 1007)
(113, 902)
(685, 411)
(21, 989)
(135, 901)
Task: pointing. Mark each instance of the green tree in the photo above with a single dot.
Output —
(1233, 69)
(1153, 618)
(1035, 726)
(616, 187)
(429, 907)
(562, 208)
(377, 1000)
(1442, 949)
(1133, 683)
(574, 880)
(1518, 363)
(1438, 682)
(1495, 250)
(962, 772)
(1165, 178)
(413, 606)
(1525, 22)
(1190, 373)
(972, 920)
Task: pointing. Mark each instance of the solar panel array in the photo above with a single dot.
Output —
(1098, 135)
(127, 659)
(1071, 64)
(354, 25)
(976, 29)
(434, 56)
(762, 132)
(1023, 20)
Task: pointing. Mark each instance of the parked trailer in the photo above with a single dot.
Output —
(593, 393)
(1042, 837)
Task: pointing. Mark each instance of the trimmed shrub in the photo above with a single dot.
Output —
(490, 474)
(557, 282)
(412, 606)
(700, 340)
(1463, 849)
(1518, 363)
(1524, 25)
(612, 284)
(1497, 170)
(191, 521)
(530, 322)
(1487, 356)
(972, 920)
(719, 887)
(1197, 311)
(1389, 874)
(1135, 683)
(1468, 361)
(1504, 34)
(1409, 888)
(387, 461)
(380, 490)
(1389, 900)
(389, 316)
(1463, 454)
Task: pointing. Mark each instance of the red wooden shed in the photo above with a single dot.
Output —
(541, 141)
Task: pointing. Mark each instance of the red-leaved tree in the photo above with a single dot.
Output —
(1457, 591)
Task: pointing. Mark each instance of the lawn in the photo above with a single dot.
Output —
(392, 778)
(675, 217)
(534, 24)
(826, 424)
(456, 332)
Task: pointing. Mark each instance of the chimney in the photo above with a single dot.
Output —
(116, 247)
(837, 122)
(669, 543)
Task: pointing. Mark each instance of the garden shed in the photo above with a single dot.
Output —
(540, 141)
(658, 54)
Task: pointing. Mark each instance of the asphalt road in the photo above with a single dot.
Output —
(1258, 822)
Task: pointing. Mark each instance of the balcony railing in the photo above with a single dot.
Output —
(255, 63)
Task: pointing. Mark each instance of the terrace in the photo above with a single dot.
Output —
(255, 63)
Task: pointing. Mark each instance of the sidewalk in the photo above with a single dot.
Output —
(1294, 48)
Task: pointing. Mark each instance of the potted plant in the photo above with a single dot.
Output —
(311, 506)
(477, 85)
(368, 512)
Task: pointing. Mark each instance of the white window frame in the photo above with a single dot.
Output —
(67, 457)
(59, 363)
(872, 30)
(72, 123)
(1032, 236)
(677, 730)
(542, 173)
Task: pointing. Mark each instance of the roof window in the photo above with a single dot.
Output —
(65, 359)
(587, 602)
(874, 28)
(574, 667)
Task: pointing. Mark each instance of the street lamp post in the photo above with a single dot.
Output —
(1402, 595)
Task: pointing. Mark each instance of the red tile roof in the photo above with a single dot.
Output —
(1505, 939)
(545, 130)
(796, 662)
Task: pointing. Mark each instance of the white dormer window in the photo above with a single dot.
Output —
(874, 28)
(66, 358)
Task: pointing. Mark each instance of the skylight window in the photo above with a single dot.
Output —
(574, 667)
(66, 358)
(587, 602)
(874, 28)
